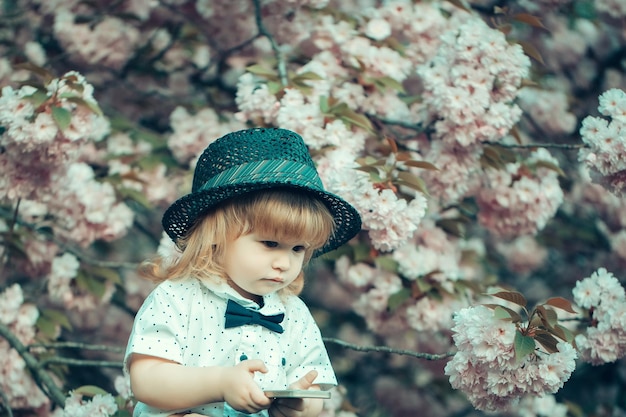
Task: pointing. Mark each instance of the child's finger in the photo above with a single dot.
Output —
(305, 382)
(254, 365)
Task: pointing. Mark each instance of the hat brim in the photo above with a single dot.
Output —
(181, 216)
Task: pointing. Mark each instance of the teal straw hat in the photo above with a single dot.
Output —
(252, 160)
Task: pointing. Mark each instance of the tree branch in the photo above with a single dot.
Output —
(5, 400)
(77, 345)
(81, 362)
(387, 349)
(41, 377)
(282, 67)
(538, 145)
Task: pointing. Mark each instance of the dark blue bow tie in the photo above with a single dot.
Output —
(237, 315)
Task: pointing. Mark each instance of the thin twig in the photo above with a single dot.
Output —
(387, 349)
(5, 401)
(538, 145)
(81, 256)
(80, 362)
(282, 66)
(41, 377)
(77, 345)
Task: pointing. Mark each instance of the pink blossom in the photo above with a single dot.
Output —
(523, 255)
(99, 406)
(517, 201)
(110, 42)
(606, 142)
(605, 298)
(465, 94)
(486, 370)
(378, 29)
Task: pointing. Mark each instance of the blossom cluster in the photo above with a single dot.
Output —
(15, 379)
(487, 370)
(520, 199)
(471, 83)
(606, 141)
(100, 405)
(604, 298)
(43, 130)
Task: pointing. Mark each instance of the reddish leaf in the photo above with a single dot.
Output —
(531, 51)
(512, 296)
(529, 19)
(548, 316)
(562, 303)
(515, 316)
(547, 341)
(562, 333)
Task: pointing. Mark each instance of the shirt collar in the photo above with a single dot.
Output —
(272, 304)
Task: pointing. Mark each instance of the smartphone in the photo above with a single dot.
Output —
(297, 393)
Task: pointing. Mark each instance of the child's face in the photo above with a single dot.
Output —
(258, 265)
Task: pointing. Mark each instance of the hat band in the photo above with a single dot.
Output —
(281, 171)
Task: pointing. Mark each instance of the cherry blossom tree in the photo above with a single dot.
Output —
(481, 141)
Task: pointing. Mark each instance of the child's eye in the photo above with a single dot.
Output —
(269, 243)
(299, 248)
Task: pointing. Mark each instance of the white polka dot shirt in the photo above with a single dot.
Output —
(183, 321)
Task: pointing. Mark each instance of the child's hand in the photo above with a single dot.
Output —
(298, 407)
(239, 389)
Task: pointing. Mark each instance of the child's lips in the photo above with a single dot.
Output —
(277, 280)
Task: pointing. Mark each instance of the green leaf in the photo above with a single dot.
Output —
(87, 104)
(38, 97)
(551, 166)
(351, 117)
(90, 390)
(452, 227)
(385, 83)
(423, 286)
(397, 299)
(512, 296)
(308, 75)
(91, 284)
(57, 317)
(62, 117)
(501, 313)
(387, 263)
(260, 70)
(523, 345)
(361, 252)
(324, 105)
(47, 327)
(412, 181)
(421, 164)
(274, 87)
(135, 195)
(107, 274)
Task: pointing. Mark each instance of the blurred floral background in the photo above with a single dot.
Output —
(483, 143)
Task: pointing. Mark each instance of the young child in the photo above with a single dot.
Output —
(225, 323)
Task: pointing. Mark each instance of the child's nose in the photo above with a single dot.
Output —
(282, 261)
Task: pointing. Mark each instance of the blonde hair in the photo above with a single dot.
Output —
(288, 214)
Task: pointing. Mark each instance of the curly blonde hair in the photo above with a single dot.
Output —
(288, 214)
